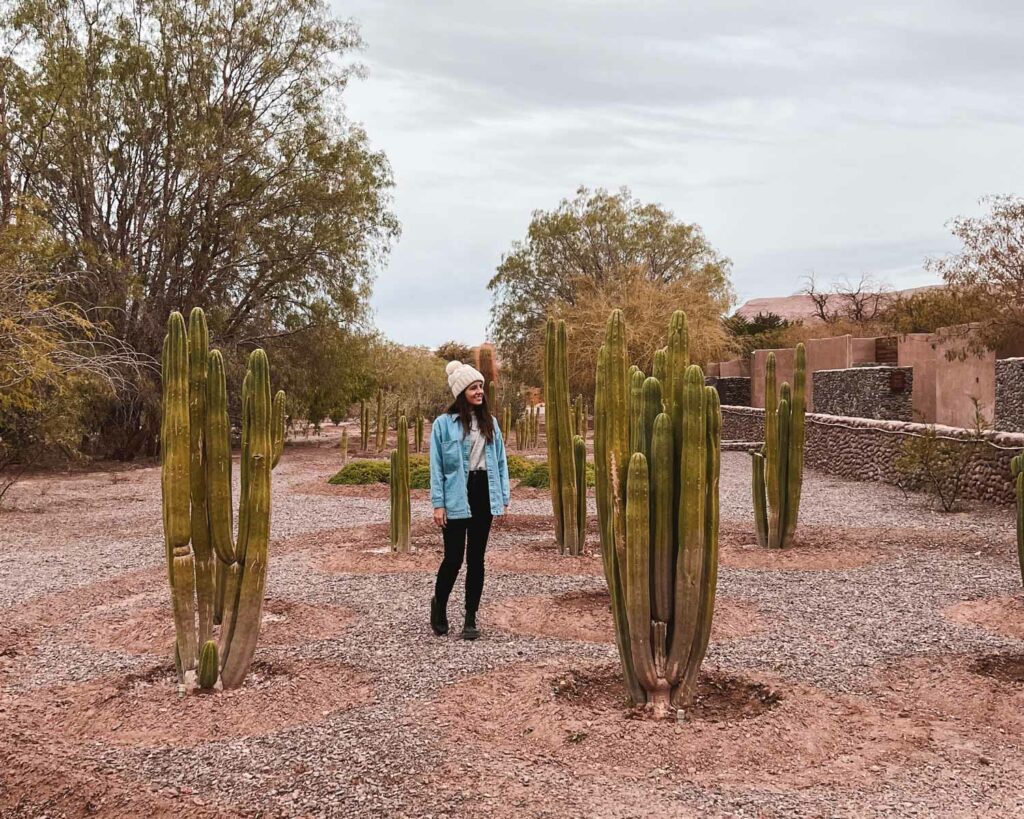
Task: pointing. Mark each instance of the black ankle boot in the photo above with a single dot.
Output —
(469, 630)
(438, 618)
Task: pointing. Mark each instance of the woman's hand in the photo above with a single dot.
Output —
(441, 517)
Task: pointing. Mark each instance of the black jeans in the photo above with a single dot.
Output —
(456, 534)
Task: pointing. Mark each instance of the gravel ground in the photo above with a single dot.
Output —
(76, 544)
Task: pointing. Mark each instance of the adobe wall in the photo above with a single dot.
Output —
(917, 350)
(862, 351)
(784, 364)
(735, 368)
(713, 368)
(825, 354)
(866, 449)
(957, 383)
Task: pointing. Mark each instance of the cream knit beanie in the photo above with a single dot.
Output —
(461, 376)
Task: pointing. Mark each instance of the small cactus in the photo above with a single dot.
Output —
(400, 505)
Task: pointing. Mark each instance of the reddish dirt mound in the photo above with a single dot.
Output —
(144, 709)
(744, 730)
(151, 630)
(367, 549)
(972, 692)
(722, 697)
(520, 544)
(814, 550)
(999, 615)
(42, 783)
(586, 616)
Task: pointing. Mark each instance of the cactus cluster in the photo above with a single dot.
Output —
(215, 578)
(568, 488)
(657, 444)
(778, 467)
(526, 428)
(401, 514)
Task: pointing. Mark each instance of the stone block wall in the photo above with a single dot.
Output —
(734, 391)
(1009, 415)
(865, 392)
(866, 449)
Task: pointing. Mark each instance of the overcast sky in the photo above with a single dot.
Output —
(810, 135)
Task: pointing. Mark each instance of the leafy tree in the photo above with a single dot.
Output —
(987, 273)
(647, 306)
(410, 376)
(192, 154)
(937, 308)
(454, 351)
(54, 358)
(765, 331)
(594, 240)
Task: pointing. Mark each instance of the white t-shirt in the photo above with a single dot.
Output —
(477, 442)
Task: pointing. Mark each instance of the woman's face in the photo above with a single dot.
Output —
(475, 393)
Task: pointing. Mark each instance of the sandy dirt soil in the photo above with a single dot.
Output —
(876, 668)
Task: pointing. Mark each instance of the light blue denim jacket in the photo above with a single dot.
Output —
(449, 468)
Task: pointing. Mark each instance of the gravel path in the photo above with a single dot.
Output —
(830, 629)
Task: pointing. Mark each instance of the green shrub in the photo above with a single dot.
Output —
(539, 477)
(362, 472)
(518, 466)
(378, 470)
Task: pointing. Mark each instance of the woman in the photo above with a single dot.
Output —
(468, 487)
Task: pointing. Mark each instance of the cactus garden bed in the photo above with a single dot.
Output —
(874, 668)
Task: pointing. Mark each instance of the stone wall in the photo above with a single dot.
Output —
(866, 449)
(1010, 395)
(731, 391)
(865, 392)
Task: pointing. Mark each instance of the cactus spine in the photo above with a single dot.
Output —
(561, 455)
(657, 501)
(778, 467)
(400, 504)
(213, 577)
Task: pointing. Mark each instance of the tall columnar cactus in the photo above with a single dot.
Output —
(215, 578)
(419, 431)
(506, 422)
(343, 446)
(778, 467)
(382, 432)
(401, 515)
(561, 456)
(657, 502)
(364, 426)
(1017, 471)
(580, 418)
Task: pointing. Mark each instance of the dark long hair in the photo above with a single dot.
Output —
(465, 411)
